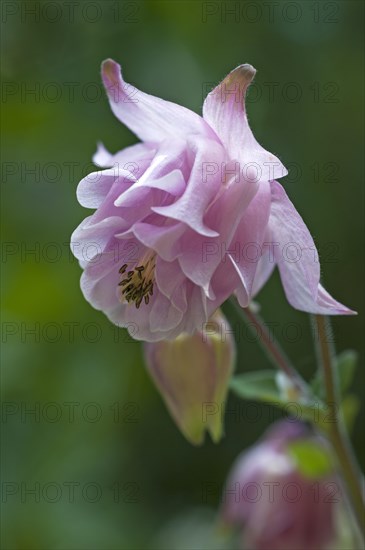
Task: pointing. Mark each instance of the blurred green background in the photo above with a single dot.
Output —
(107, 467)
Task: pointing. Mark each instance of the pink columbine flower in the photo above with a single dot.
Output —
(189, 216)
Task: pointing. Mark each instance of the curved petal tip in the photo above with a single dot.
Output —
(110, 71)
(246, 71)
(242, 75)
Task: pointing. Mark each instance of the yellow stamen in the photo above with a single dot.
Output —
(137, 284)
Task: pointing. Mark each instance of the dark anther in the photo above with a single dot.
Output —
(124, 282)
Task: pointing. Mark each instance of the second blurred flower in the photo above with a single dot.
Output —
(283, 494)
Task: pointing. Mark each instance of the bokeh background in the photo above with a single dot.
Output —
(107, 467)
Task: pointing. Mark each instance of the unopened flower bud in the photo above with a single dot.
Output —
(283, 493)
(192, 374)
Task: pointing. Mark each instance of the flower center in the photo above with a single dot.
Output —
(137, 283)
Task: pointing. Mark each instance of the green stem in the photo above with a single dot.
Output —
(337, 431)
(273, 349)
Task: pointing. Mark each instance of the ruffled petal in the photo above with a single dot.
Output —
(196, 315)
(138, 323)
(102, 157)
(165, 172)
(127, 166)
(224, 281)
(150, 118)
(200, 191)
(265, 267)
(297, 258)
(94, 188)
(202, 255)
(246, 245)
(90, 239)
(171, 282)
(164, 316)
(127, 159)
(99, 283)
(165, 240)
(224, 109)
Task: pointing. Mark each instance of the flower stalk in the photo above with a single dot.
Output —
(272, 347)
(337, 432)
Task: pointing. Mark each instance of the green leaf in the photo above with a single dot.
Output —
(346, 364)
(317, 385)
(350, 408)
(312, 460)
(263, 386)
(257, 385)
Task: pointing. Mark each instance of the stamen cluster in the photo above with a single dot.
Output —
(137, 284)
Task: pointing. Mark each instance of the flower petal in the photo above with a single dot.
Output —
(224, 109)
(164, 316)
(99, 283)
(90, 239)
(197, 309)
(171, 282)
(170, 158)
(163, 239)
(224, 281)
(150, 118)
(246, 246)
(200, 191)
(265, 267)
(130, 158)
(297, 258)
(127, 165)
(102, 157)
(94, 188)
(202, 255)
